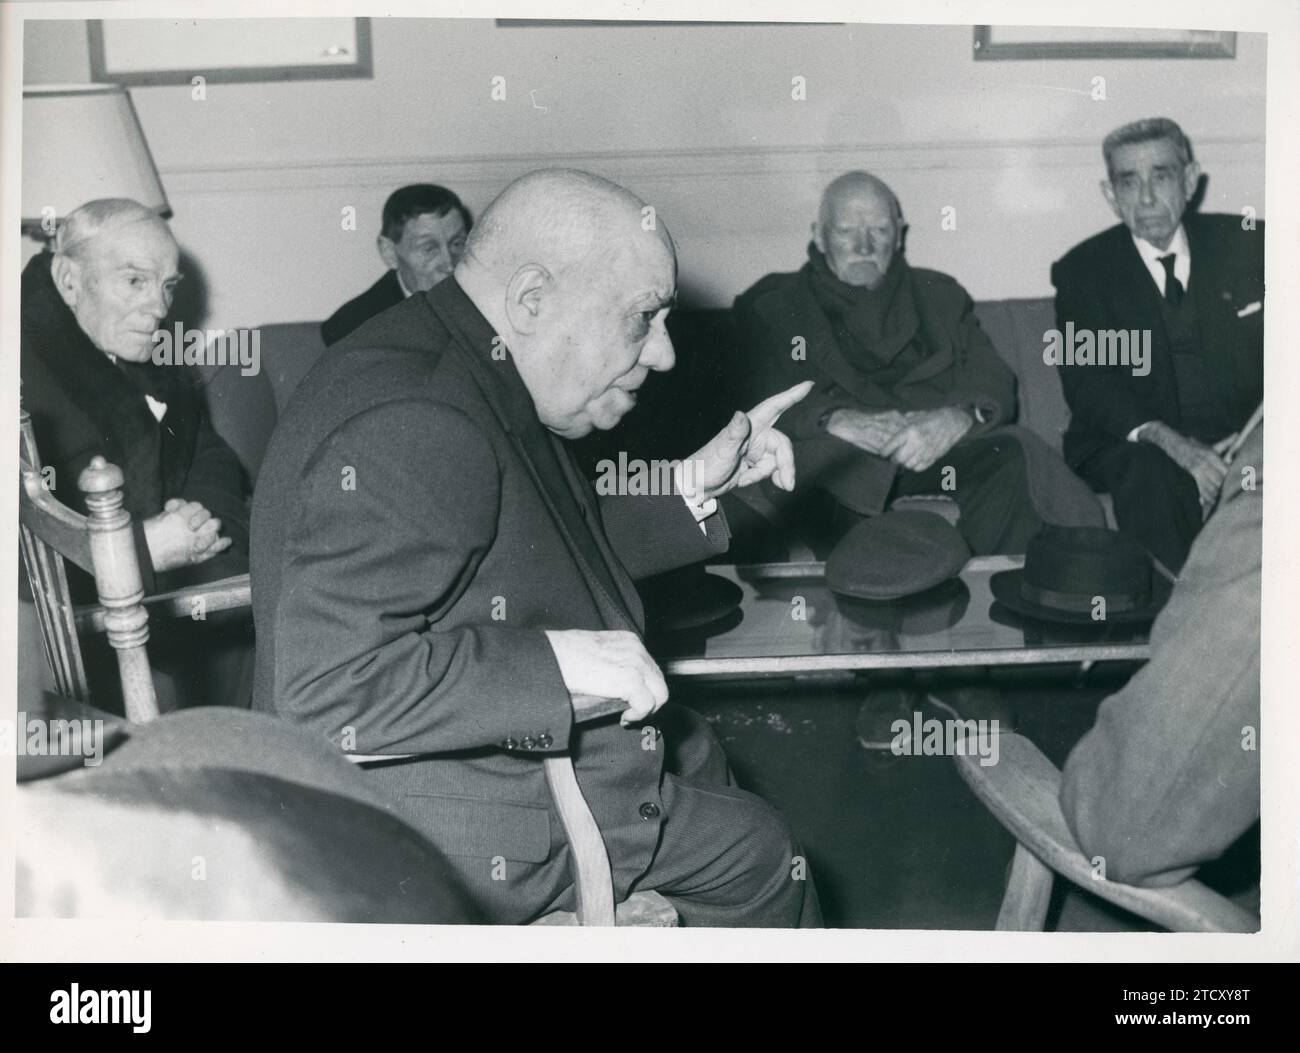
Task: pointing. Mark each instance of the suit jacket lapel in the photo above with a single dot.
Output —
(1139, 307)
(1135, 287)
(581, 489)
(1215, 309)
(387, 292)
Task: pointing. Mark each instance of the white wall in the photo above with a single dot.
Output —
(698, 120)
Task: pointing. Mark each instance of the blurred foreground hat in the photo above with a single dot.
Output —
(279, 824)
(1068, 568)
(895, 554)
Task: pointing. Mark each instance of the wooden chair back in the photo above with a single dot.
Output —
(1022, 790)
(100, 543)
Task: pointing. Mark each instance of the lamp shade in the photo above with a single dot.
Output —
(82, 142)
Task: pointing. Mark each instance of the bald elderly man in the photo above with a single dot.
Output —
(909, 395)
(432, 575)
(90, 310)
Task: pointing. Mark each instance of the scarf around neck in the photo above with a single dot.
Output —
(872, 326)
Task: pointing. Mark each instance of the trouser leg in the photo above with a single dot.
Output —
(726, 858)
(988, 479)
(1156, 501)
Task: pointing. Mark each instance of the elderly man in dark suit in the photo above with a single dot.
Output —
(1153, 438)
(910, 396)
(433, 576)
(421, 238)
(90, 311)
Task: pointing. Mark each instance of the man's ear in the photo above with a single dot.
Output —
(817, 238)
(387, 251)
(1108, 192)
(66, 273)
(525, 295)
(1191, 179)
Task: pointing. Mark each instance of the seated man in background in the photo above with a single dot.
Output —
(1194, 286)
(910, 396)
(432, 575)
(1168, 778)
(89, 313)
(421, 238)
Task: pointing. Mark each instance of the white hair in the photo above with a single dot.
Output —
(93, 218)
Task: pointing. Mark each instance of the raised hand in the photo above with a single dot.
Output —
(748, 450)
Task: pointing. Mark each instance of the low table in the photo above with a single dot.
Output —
(790, 624)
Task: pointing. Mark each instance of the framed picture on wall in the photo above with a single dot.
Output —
(224, 50)
(1064, 42)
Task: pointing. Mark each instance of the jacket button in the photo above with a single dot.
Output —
(529, 742)
(509, 744)
(649, 810)
(544, 741)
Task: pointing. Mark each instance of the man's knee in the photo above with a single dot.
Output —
(747, 833)
(1147, 470)
(1001, 457)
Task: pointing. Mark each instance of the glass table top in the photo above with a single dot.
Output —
(789, 622)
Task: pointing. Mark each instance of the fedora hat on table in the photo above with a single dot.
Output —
(1067, 568)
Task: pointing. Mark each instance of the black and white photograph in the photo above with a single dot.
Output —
(755, 468)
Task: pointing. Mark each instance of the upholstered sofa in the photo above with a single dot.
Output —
(677, 412)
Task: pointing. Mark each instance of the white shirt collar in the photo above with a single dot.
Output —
(1182, 258)
(407, 292)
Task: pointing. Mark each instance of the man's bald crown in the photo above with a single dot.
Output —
(556, 218)
(856, 184)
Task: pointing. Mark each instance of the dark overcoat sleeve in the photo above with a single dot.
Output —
(370, 628)
(981, 377)
(216, 480)
(653, 534)
(766, 343)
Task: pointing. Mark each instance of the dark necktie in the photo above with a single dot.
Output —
(1173, 287)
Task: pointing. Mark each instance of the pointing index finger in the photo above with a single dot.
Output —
(767, 412)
